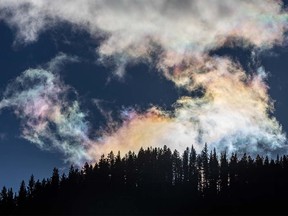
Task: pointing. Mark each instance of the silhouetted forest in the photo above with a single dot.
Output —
(159, 181)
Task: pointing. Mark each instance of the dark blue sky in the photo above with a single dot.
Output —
(142, 86)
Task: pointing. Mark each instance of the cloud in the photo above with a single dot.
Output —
(233, 115)
(178, 36)
(3, 136)
(131, 29)
(48, 117)
(57, 63)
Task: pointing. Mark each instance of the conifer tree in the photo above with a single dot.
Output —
(22, 195)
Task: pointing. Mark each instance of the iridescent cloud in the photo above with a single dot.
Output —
(233, 115)
(49, 119)
(235, 111)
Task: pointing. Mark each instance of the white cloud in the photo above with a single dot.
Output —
(234, 112)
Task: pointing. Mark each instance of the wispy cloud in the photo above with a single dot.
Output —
(3, 136)
(49, 119)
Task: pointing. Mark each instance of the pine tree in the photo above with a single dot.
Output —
(31, 186)
(176, 167)
(193, 170)
(185, 159)
(224, 170)
(204, 167)
(55, 180)
(213, 173)
(22, 195)
(4, 197)
(167, 165)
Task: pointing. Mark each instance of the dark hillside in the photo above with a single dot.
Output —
(159, 181)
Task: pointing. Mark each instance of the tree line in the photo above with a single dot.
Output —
(158, 181)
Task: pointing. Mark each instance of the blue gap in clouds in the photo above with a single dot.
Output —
(14, 59)
(20, 158)
(276, 63)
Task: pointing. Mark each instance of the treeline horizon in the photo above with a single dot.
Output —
(158, 181)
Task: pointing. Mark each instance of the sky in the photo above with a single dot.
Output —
(82, 78)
